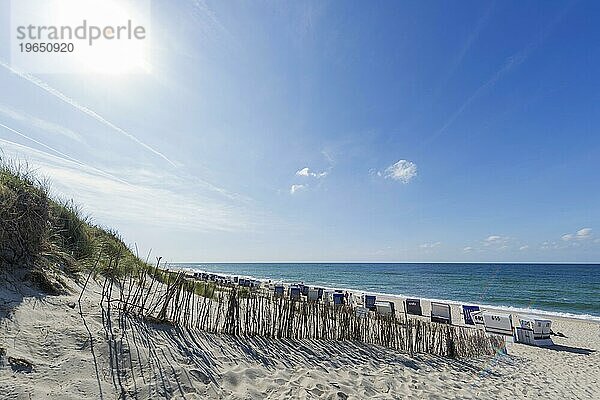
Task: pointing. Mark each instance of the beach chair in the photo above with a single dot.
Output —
(338, 299)
(361, 312)
(295, 293)
(279, 290)
(369, 301)
(304, 290)
(466, 311)
(384, 307)
(441, 313)
(312, 294)
(533, 330)
(498, 323)
(477, 317)
(413, 306)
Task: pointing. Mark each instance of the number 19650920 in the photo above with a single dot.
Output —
(46, 47)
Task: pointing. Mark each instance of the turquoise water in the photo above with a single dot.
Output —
(559, 289)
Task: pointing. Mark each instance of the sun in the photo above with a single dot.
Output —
(112, 55)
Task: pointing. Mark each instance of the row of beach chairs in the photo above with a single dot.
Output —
(303, 292)
(529, 329)
(226, 280)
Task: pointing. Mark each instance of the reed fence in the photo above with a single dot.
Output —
(174, 298)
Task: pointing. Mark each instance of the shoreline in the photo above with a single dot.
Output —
(398, 299)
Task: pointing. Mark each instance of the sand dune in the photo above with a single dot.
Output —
(73, 357)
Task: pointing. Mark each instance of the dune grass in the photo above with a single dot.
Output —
(41, 236)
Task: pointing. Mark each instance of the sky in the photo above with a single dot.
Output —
(389, 131)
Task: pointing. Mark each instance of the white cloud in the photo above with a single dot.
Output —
(495, 240)
(296, 188)
(468, 249)
(549, 245)
(430, 245)
(525, 247)
(498, 242)
(306, 172)
(582, 234)
(403, 171)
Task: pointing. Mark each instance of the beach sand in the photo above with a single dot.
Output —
(73, 360)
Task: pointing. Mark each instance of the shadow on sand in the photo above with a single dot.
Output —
(173, 361)
(569, 349)
(13, 292)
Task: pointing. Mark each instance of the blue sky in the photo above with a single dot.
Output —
(332, 131)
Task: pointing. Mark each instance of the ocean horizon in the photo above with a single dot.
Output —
(564, 290)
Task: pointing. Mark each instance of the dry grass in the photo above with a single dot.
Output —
(42, 237)
(24, 215)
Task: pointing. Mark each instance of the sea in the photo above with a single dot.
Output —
(567, 290)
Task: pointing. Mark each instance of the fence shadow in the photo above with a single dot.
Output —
(569, 349)
(204, 353)
(164, 339)
(13, 292)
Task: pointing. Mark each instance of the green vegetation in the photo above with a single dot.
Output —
(200, 288)
(42, 237)
(205, 289)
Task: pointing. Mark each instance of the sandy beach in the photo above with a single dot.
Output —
(308, 199)
(74, 356)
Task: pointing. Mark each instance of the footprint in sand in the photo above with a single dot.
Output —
(342, 395)
(201, 376)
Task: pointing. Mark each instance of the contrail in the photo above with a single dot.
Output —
(63, 156)
(43, 85)
(66, 157)
(512, 61)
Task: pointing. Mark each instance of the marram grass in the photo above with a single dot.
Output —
(42, 236)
